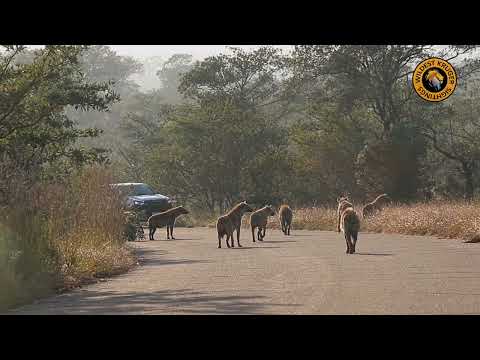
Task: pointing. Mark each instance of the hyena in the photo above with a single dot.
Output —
(375, 205)
(165, 218)
(285, 214)
(259, 219)
(350, 226)
(343, 203)
(230, 222)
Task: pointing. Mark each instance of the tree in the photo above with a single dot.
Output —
(326, 143)
(170, 74)
(148, 79)
(101, 64)
(453, 130)
(250, 79)
(35, 131)
(141, 128)
(375, 76)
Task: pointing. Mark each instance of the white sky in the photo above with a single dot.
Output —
(165, 51)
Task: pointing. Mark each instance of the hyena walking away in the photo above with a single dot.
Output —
(165, 218)
(230, 222)
(286, 215)
(259, 219)
(343, 203)
(350, 226)
(375, 205)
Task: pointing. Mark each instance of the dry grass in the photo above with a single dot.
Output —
(455, 220)
(448, 219)
(60, 236)
(459, 220)
(195, 219)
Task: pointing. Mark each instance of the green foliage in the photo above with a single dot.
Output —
(170, 74)
(248, 79)
(102, 64)
(334, 118)
(34, 129)
(207, 152)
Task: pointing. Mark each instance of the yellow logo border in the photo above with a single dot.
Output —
(424, 66)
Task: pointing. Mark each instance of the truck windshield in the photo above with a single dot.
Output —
(142, 189)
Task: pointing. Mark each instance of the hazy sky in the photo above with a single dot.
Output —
(165, 51)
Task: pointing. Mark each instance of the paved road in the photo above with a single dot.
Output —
(306, 273)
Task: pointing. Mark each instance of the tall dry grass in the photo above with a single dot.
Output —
(447, 219)
(58, 236)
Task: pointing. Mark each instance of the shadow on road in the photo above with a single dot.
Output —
(181, 239)
(373, 254)
(150, 262)
(279, 241)
(183, 301)
(151, 257)
(256, 247)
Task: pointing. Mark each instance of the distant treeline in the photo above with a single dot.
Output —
(258, 125)
(304, 127)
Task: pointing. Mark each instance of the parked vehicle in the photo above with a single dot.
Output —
(141, 198)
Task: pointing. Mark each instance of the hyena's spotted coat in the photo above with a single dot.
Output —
(259, 219)
(285, 214)
(348, 223)
(230, 222)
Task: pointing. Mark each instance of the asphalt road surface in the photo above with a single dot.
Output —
(305, 273)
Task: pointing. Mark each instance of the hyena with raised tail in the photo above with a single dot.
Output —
(343, 203)
(349, 225)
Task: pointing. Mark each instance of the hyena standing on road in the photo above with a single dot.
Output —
(343, 203)
(349, 224)
(230, 222)
(285, 214)
(166, 218)
(259, 219)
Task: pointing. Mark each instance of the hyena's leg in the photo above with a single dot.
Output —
(253, 233)
(289, 225)
(284, 228)
(338, 222)
(259, 234)
(168, 232)
(264, 231)
(151, 232)
(238, 236)
(354, 236)
(171, 231)
(228, 237)
(231, 237)
(220, 241)
(349, 244)
(226, 240)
